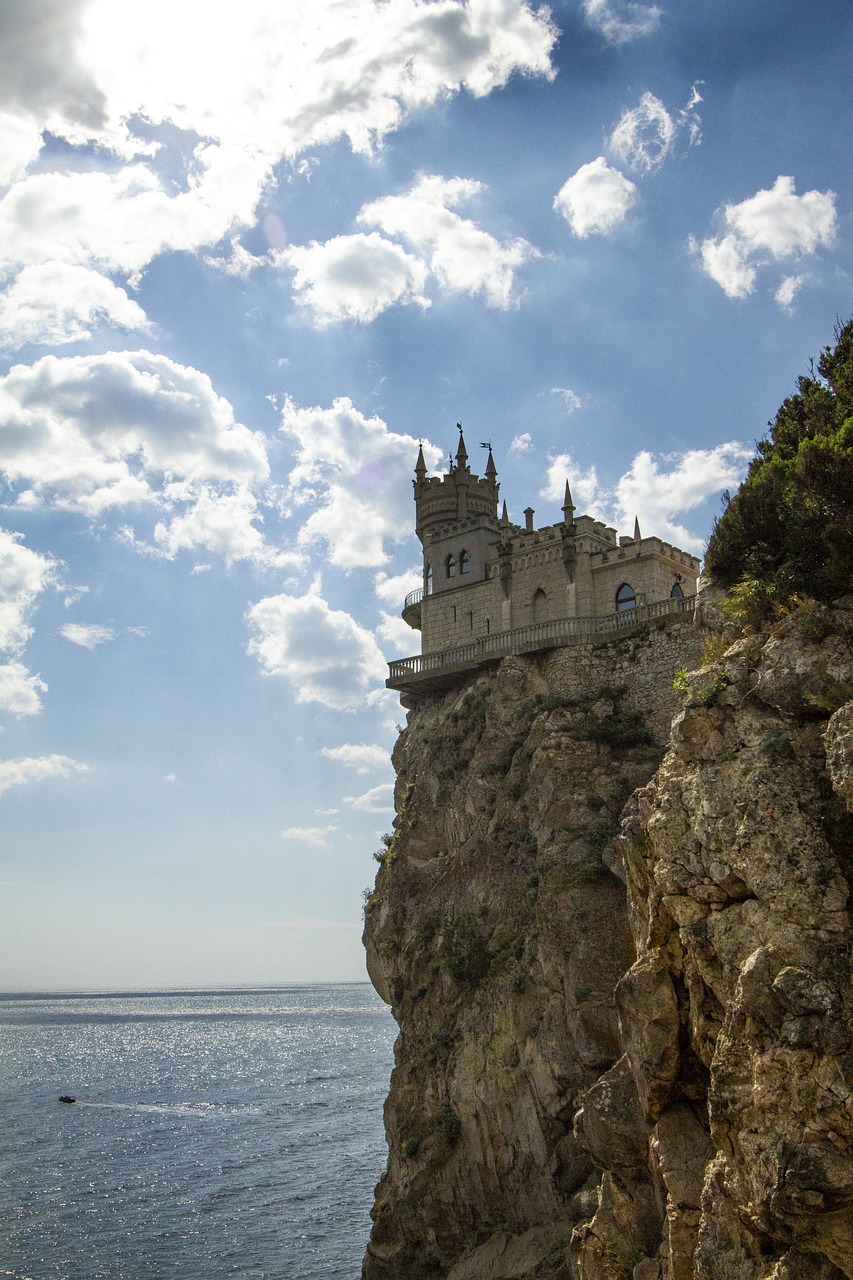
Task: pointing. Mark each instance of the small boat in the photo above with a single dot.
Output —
(66, 1097)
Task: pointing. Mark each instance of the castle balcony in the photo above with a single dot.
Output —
(432, 672)
(412, 608)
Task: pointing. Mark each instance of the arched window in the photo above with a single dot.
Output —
(539, 606)
(450, 566)
(428, 579)
(625, 597)
(676, 593)
(464, 562)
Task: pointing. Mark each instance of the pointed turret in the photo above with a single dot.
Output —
(461, 452)
(638, 537)
(420, 465)
(568, 506)
(504, 514)
(491, 469)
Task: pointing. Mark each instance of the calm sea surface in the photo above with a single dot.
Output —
(218, 1133)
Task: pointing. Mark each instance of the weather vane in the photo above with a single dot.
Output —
(486, 444)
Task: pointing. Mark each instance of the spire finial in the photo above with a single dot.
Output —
(491, 469)
(638, 537)
(420, 465)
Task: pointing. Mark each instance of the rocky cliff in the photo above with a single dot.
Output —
(611, 922)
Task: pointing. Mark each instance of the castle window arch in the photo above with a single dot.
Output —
(428, 579)
(626, 597)
(450, 567)
(676, 593)
(539, 606)
(464, 562)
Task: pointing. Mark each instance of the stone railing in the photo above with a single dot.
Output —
(541, 635)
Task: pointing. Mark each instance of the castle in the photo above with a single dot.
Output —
(491, 587)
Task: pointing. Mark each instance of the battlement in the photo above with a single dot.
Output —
(485, 577)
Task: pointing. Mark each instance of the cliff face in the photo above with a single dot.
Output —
(624, 1051)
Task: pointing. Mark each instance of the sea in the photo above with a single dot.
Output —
(228, 1133)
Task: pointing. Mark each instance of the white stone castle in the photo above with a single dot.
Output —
(491, 587)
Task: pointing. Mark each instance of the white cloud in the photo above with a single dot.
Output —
(393, 590)
(56, 303)
(378, 800)
(87, 637)
(20, 143)
(19, 773)
(354, 472)
(771, 226)
(587, 494)
(397, 635)
(571, 400)
(19, 691)
(462, 257)
(130, 429)
(522, 443)
(307, 835)
(646, 134)
(622, 20)
(787, 291)
(658, 495)
(275, 84)
(596, 199)
(655, 490)
(354, 277)
(24, 574)
(361, 756)
(323, 652)
(170, 777)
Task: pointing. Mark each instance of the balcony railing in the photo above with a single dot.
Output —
(541, 635)
(414, 597)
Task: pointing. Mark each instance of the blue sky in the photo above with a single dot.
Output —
(250, 255)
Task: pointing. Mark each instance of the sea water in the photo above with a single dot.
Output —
(218, 1133)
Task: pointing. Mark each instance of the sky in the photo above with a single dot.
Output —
(251, 255)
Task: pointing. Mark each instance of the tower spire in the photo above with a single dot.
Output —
(420, 465)
(568, 506)
(637, 535)
(461, 452)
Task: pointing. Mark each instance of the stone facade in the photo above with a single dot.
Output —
(483, 574)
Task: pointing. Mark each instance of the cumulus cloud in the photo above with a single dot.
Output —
(308, 835)
(787, 291)
(521, 443)
(55, 303)
(657, 490)
(596, 199)
(271, 86)
(24, 575)
(462, 257)
(393, 590)
(354, 472)
(324, 653)
(131, 429)
(396, 634)
(377, 800)
(19, 773)
(622, 20)
(86, 636)
(354, 277)
(772, 226)
(361, 756)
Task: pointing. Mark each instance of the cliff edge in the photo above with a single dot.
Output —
(612, 925)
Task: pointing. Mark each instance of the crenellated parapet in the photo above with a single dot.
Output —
(485, 575)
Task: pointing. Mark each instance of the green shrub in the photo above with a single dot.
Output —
(464, 951)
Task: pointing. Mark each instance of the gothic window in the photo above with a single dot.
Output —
(428, 579)
(464, 562)
(450, 566)
(676, 592)
(625, 597)
(539, 606)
